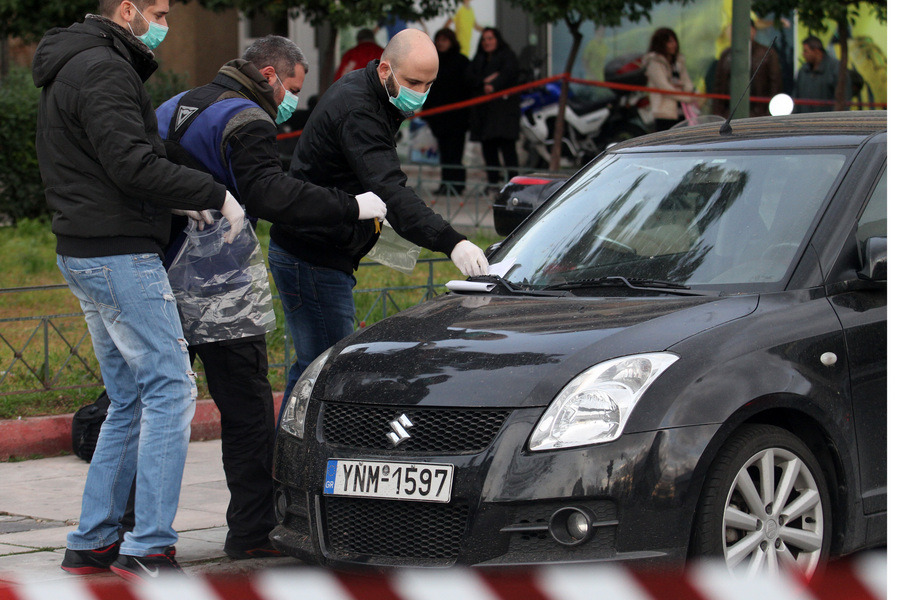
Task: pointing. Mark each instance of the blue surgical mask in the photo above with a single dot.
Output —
(407, 100)
(287, 106)
(155, 34)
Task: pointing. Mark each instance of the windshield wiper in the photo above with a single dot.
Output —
(506, 287)
(635, 283)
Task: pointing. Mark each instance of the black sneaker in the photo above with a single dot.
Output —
(140, 568)
(263, 551)
(86, 562)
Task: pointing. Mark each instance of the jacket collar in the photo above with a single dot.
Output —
(127, 44)
(245, 80)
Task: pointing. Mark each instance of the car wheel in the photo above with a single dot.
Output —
(765, 505)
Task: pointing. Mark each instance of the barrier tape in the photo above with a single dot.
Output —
(625, 87)
(863, 577)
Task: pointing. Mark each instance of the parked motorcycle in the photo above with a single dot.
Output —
(591, 125)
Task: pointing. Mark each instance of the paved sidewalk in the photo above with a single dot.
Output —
(40, 502)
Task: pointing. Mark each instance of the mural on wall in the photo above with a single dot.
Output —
(703, 30)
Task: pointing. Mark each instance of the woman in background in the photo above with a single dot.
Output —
(666, 70)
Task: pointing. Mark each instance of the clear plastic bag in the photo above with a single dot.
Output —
(222, 289)
(394, 251)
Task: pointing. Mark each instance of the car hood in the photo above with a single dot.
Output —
(507, 351)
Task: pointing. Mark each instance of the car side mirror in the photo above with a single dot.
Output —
(874, 259)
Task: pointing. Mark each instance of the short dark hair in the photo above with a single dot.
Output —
(107, 8)
(450, 35)
(365, 35)
(278, 52)
(814, 43)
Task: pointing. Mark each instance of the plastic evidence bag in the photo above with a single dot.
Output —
(394, 251)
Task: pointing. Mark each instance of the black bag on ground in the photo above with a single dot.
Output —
(86, 426)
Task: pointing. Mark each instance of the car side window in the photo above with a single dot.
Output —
(873, 222)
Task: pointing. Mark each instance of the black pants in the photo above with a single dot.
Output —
(491, 150)
(237, 375)
(451, 147)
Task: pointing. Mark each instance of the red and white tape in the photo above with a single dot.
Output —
(860, 578)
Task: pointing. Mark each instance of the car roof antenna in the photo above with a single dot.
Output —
(725, 129)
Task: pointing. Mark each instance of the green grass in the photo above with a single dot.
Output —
(28, 258)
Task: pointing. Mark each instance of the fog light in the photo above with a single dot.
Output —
(281, 504)
(571, 526)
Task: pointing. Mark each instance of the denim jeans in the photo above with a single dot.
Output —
(318, 307)
(136, 332)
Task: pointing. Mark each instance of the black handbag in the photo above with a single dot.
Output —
(86, 424)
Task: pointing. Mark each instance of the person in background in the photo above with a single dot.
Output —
(817, 78)
(766, 83)
(359, 55)
(112, 193)
(463, 22)
(449, 127)
(666, 70)
(348, 143)
(495, 123)
(231, 134)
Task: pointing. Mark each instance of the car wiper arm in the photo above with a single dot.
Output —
(506, 287)
(635, 283)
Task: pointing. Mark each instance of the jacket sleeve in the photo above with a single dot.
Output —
(270, 194)
(369, 147)
(109, 106)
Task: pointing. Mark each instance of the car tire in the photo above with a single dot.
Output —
(783, 526)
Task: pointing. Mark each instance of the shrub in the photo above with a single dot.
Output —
(21, 191)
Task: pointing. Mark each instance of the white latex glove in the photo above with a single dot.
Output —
(371, 206)
(234, 213)
(469, 259)
(202, 218)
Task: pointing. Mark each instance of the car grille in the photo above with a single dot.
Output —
(392, 529)
(435, 430)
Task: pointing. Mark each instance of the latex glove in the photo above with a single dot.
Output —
(202, 218)
(234, 213)
(371, 206)
(469, 259)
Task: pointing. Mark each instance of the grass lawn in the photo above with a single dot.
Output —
(57, 350)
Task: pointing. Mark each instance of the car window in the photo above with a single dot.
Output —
(692, 218)
(873, 222)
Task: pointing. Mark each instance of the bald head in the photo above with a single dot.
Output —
(412, 58)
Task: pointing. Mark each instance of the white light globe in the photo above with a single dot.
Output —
(781, 104)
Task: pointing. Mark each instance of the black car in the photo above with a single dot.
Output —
(521, 195)
(681, 354)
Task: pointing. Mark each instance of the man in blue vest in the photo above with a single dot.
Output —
(228, 128)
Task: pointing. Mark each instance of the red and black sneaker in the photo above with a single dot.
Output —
(86, 562)
(140, 568)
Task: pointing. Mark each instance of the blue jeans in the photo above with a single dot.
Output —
(136, 332)
(318, 307)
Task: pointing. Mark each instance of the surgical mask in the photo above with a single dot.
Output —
(155, 34)
(407, 100)
(287, 106)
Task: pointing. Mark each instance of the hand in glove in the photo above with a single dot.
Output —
(203, 217)
(371, 206)
(469, 259)
(234, 213)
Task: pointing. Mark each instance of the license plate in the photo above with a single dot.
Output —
(391, 480)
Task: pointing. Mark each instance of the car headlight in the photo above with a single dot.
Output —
(293, 419)
(594, 406)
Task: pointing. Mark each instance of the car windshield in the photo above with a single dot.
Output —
(691, 218)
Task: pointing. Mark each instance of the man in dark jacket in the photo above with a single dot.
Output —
(817, 78)
(765, 83)
(112, 193)
(228, 128)
(348, 143)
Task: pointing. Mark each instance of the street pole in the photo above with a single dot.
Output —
(740, 57)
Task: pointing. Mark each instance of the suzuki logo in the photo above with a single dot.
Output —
(399, 433)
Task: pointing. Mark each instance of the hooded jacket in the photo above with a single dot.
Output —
(348, 143)
(101, 159)
(234, 138)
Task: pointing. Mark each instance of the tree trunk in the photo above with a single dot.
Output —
(326, 61)
(840, 92)
(564, 95)
(4, 54)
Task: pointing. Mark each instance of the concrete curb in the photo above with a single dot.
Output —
(51, 436)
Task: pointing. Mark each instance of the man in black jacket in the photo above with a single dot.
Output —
(228, 128)
(348, 143)
(112, 193)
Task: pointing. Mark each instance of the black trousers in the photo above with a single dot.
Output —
(451, 147)
(491, 150)
(237, 375)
